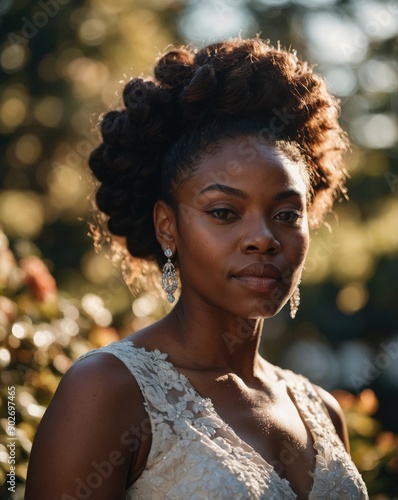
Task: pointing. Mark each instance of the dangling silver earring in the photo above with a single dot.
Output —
(295, 301)
(169, 277)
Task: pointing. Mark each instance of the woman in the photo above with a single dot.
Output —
(217, 167)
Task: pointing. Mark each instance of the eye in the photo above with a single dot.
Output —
(222, 214)
(290, 216)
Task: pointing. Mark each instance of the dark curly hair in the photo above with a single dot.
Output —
(227, 89)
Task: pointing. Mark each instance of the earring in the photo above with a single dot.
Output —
(295, 301)
(169, 277)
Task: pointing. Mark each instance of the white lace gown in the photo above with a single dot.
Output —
(195, 455)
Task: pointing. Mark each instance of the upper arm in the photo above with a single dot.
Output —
(336, 415)
(90, 434)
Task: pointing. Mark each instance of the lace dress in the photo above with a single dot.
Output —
(195, 455)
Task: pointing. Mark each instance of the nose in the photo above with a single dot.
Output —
(259, 238)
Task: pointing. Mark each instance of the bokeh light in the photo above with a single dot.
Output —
(28, 149)
(313, 359)
(352, 297)
(21, 213)
(345, 43)
(66, 189)
(54, 88)
(49, 111)
(341, 80)
(379, 19)
(13, 107)
(379, 75)
(14, 57)
(145, 306)
(92, 31)
(206, 21)
(378, 130)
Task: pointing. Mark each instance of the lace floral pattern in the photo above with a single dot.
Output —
(335, 475)
(196, 455)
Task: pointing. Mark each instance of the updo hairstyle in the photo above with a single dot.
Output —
(196, 98)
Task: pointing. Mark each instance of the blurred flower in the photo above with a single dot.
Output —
(42, 333)
(39, 280)
(374, 451)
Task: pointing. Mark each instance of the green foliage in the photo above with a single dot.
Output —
(42, 331)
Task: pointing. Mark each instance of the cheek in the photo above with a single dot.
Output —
(296, 256)
(296, 250)
(201, 252)
(192, 250)
(298, 243)
(305, 245)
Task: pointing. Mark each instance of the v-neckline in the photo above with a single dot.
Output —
(210, 407)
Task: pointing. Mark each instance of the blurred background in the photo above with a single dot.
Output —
(61, 65)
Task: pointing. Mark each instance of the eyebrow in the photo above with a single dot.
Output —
(222, 188)
(288, 194)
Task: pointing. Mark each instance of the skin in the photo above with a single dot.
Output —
(235, 210)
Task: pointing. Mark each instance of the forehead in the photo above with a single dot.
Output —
(248, 161)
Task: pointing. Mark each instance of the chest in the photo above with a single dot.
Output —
(269, 422)
(196, 450)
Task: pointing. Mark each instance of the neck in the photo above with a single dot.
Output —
(213, 339)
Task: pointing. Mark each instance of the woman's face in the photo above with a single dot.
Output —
(242, 230)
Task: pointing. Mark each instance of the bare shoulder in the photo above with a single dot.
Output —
(93, 426)
(336, 414)
(99, 383)
(101, 373)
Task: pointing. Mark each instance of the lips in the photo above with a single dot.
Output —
(260, 270)
(259, 276)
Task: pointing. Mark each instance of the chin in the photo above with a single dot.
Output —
(264, 309)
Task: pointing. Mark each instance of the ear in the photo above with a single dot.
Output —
(164, 220)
